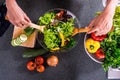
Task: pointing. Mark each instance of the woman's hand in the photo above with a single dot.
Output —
(16, 15)
(102, 24)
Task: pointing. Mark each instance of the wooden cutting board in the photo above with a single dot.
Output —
(31, 39)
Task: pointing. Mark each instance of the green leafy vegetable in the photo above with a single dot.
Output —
(111, 45)
(54, 26)
(46, 19)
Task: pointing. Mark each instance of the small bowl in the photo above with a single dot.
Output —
(104, 3)
(40, 36)
(92, 56)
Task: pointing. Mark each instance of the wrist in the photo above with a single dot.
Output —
(10, 3)
(111, 6)
(112, 2)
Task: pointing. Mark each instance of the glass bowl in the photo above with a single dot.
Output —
(41, 36)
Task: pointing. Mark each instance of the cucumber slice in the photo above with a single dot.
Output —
(19, 40)
(13, 43)
(23, 37)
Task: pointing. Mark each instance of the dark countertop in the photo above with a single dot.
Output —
(73, 65)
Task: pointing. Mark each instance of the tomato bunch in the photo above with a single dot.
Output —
(38, 63)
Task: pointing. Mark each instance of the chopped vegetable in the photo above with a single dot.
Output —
(62, 39)
(70, 42)
(54, 39)
(19, 40)
(52, 60)
(46, 19)
(28, 31)
(92, 45)
(55, 49)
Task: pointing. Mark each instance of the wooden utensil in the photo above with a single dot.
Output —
(80, 30)
(41, 28)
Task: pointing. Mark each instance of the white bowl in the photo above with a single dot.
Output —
(104, 3)
(92, 56)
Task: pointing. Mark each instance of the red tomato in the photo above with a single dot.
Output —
(31, 65)
(39, 60)
(98, 38)
(100, 54)
(40, 68)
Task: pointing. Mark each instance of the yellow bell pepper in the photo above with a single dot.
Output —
(92, 45)
(62, 39)
(55, 49)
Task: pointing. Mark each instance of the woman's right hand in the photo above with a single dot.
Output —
(16, 15)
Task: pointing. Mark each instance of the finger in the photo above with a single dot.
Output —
(91, 24)
(25, 23)
(19, 25)
(100, 33)
(93, 30)
(27, 18)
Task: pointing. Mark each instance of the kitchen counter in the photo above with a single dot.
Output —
(73, 65)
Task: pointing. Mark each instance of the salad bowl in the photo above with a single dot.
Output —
(57, 35)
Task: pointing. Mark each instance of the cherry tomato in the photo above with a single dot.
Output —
(100, 54)
(40, 68)
(31, 65)
(98, 38)
(39, 60)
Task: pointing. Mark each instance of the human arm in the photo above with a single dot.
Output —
(16, 15)
(102, 24)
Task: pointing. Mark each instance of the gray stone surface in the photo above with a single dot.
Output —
(73, 65)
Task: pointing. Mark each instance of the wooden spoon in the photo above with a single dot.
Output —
(41, 28)
(80, 30)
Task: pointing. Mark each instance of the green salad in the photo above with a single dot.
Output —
(58, 31)
(111, 45)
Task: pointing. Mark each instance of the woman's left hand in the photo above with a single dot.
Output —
(102, 24)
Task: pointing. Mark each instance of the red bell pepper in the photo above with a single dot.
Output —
(98, 38)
